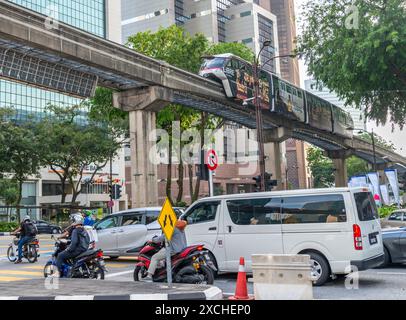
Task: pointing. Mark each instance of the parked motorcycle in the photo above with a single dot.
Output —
(89, 264)
(192, 265)
(30, 250)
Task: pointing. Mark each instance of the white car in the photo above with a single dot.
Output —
(339, 228)
(124, 233)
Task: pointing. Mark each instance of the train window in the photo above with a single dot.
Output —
(235, 64)
(294, 91)
(299, 94)
(288, 89)
(214, 63)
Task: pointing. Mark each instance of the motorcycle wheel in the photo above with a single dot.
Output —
(139, 272)
(11, 256)
(208, 274)
(49, 269)
(32, 255)
(97, 272)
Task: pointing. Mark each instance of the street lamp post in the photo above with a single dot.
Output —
(373, 144)
(258, 112)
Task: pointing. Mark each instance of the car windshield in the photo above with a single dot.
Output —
(366, 206)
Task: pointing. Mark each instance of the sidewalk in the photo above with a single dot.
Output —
(84, 289)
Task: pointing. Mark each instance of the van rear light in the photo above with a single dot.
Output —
(357, 237)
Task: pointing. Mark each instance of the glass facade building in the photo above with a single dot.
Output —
(28, 101)
(88, 15)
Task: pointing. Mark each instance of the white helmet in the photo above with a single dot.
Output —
(27, 217)
(76, 219)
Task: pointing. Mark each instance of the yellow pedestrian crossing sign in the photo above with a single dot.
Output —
(167, 219)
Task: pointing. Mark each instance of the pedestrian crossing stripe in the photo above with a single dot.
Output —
(20, 273)
(3, 279)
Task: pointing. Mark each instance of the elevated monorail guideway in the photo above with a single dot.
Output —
(74, 62)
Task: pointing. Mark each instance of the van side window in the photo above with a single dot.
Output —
(255, 211)
(313, 209)
(203, 212)
(130, 219)
(151, 216)
(397, 216)
(366, 206)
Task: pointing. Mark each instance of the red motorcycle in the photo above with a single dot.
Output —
(192, 265)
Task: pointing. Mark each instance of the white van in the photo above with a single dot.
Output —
(339, 228)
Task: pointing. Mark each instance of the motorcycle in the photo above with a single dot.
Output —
(192, 265)
(30, 250)
(89, 264)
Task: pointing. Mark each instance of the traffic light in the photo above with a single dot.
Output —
(116, 192)
(202, 171)
(257, 183)
(111, 191)
(269, 183)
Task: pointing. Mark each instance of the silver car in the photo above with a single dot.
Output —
(124, 233)
(396, 219)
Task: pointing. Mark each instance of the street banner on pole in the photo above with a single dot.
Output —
(392, 176)
(358, 181)
(385, 194)
(373, 178)
(167, 220)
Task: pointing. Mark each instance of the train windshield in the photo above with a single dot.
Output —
(213, 63)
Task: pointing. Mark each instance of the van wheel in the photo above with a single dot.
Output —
(320, 270)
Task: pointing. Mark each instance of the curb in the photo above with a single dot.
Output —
(212, 293)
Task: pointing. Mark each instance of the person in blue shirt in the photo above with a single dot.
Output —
(89, 221)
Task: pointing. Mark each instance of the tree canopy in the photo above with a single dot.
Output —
(357, 48)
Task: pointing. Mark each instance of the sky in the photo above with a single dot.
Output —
(398, 137)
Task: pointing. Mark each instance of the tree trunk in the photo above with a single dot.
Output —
(190, 168)
(20, 197)
(202, 126)
(63, 188)
(169, 172)
(180, 182)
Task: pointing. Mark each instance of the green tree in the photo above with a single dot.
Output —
(379, 141)
(358, 49)
(178, 48)
(322, 168)
(356, 166)
(70, 148)
(9, 194)
(19, 151)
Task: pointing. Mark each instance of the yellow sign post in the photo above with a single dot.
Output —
(167, 220)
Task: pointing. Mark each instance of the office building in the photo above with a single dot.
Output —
(99, 17)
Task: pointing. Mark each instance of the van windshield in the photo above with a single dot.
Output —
(366, 206)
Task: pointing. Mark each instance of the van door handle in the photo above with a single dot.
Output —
(212, 228)
(230, 228)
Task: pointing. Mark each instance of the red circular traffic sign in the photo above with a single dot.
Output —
(212, 160)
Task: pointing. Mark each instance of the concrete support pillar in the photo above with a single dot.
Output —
(341, 177)
(275, 163)
(144, 173)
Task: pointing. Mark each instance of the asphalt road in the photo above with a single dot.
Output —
(389, 283)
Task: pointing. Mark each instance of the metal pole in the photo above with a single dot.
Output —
(260, 140)
(211, 191)
(111, 183)
(373, 148)
(168, 263)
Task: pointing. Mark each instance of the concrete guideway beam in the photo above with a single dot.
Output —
(279, 134)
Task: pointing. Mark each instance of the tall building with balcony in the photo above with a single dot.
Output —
(98, 17)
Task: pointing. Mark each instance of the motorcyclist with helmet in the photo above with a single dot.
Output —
(27, 231)
(89, 221)
(79, 242)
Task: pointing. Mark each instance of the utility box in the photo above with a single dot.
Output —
(282, 277)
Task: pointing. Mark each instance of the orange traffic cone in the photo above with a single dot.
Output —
(241, 290)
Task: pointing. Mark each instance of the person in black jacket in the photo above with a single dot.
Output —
(79, 242)
(27, 231)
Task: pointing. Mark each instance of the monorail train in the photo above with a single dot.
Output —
(277, 95)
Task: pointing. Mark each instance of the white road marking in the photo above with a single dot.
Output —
(392, 273)
(119, 273)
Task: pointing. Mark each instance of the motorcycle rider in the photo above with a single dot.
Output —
(177, 244)
(27, 231)
(79, 242)
(89, 221)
